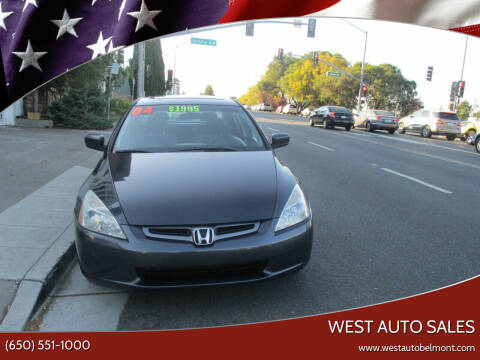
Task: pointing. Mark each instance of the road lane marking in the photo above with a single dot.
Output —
(274, 129)
(416, 152)
(417, 181)
(396, 138)
(320, 146)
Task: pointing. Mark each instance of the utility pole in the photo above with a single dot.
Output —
(141, 70)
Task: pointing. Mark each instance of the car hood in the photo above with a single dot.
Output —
(195, 188)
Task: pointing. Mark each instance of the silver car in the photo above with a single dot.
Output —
(427, 122)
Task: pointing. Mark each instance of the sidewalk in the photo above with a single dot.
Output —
(36, 243)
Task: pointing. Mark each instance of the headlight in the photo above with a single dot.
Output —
(296, 210)
(95, 216)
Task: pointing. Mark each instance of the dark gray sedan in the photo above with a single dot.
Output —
(372, 120)
(189, 192)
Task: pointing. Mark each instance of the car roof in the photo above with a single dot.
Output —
(185, 100)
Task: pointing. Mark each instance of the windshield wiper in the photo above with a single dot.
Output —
(209, 149)
(132, 151)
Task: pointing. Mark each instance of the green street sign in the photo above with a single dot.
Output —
(334, 74)
(200, 41)
(114, 69)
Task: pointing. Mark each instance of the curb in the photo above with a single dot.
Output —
(32, 292)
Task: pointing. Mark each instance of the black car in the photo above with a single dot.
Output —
(189, 192)
(331, 116)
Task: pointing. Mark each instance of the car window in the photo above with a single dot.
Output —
(382, 113)
(339, 109)
(446, 115)
(165, 128)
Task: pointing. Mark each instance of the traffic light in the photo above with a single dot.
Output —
(120, 57)
(249, 29)
(453, 91)
(461, 88)
(429, 73)
(312, 24)
(315, 59)
(169, 79)
(364, 90)
(280, 54)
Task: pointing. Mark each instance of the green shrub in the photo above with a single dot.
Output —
(119, 105)
(80, 109)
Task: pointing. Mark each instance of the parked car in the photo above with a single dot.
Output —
(290, 109)
(331, 116)
(373, 119)
(188, 192)
(279, 109)
(428, 122)
(264, 107)
(475, 140)
(306, 112)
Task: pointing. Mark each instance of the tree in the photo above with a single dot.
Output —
(464, 110)
(208, 90)
(154, 69)
(269, 85)
(309, 85)
(77, 100)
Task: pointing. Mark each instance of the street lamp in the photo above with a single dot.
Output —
(363, 62)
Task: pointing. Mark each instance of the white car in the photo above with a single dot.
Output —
(306, 112)
(264, 107)
(290, 109)
(428, 122)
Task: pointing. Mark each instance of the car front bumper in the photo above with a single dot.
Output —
(142, 262)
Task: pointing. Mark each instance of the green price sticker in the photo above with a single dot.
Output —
(183, 108)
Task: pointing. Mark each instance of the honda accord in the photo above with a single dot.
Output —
(189, 192)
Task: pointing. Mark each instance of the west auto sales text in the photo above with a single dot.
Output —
(402, 326)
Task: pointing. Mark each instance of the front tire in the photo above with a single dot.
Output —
(426, 132)
(325, 124)
(391, 131)
(401, 128)
(348, 127)
(369, 127)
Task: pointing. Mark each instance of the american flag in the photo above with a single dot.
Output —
(41, 39)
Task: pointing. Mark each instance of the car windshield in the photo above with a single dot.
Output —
(167, 128)
(339, 109)
(382, 113)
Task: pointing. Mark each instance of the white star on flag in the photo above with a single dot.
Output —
(99, 47)
(144, 17)
(66, 24)
(3, 16)
(29, 57)
(27, 2)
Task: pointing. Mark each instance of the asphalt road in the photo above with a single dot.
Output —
(394, 215)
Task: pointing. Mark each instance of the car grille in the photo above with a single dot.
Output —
(184, 233)
(153, 275)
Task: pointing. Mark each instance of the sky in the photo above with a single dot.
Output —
(238, 61)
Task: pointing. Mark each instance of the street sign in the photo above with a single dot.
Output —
(334, 74)
(199, 41)
(114, 69)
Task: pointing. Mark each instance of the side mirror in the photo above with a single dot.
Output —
(280, 140)
(95, 141)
